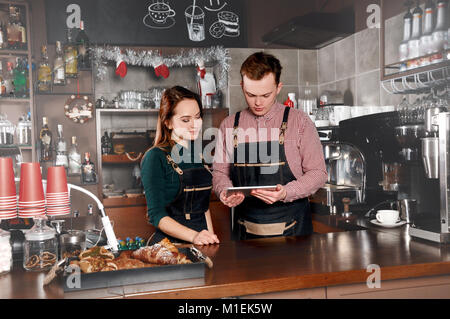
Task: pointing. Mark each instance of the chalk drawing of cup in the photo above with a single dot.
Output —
(159, 12)
(195, 20)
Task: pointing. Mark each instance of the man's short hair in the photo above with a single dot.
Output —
(259, 64)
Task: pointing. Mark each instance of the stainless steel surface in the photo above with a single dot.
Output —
(77, 237)
(429, 113)
(430, 156)
(408, 137)
(407, 208)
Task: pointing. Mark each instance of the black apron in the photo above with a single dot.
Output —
(192, 201)
(254, 218)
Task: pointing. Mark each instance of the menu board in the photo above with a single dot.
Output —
(187, 23)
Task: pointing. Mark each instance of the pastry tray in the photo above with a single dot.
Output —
(106, 279)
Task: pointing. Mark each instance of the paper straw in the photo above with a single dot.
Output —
(193, 10)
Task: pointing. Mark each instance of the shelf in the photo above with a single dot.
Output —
(9, 52)
(419, 80)
(62, 93)
(124, 201)
(15, 100)
(131, 111)
(119, 159)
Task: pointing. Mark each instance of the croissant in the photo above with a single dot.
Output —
(156, 254)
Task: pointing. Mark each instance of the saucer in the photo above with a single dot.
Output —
(149, 22)
(376, 222)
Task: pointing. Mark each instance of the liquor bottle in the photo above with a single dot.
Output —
(440, 33)
(70, 56)
(426, 40)
(414, 42)
(88, 175)
(61, 149)
(3, 38)
(2, 81)
(59, 72)
(74, 158)
(45, 139)
(9, 78)
(44, 72)
(403, 49)
(82, 42)
(13, 32)
(23, 34)
(20, 79)
(106, 144)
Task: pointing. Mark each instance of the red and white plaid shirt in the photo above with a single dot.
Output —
(302, 146)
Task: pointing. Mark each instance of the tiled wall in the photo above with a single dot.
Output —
(299, 70)
(351, 66)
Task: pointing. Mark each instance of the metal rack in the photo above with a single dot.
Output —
(418, 82)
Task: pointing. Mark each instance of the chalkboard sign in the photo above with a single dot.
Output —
(151, 22)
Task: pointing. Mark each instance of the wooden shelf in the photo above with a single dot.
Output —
(16, 100)
(63, 93)
(9, 52)
(124, 201)
(119, 159)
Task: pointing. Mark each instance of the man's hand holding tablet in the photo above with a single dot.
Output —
(270, 194)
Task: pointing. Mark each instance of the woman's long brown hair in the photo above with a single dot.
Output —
(170, 99)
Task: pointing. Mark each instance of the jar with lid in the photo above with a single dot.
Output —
(24, 130)
(72, 243)
(40, 247)
(6, 260)
(6, 131)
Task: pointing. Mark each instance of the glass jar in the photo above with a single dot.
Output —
(6, 131)
(24, 131)
(72, 243)
(6, 260)
(40, 247)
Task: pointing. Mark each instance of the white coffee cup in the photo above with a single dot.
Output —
(388, 216)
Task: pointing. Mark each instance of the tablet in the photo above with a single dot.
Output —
(246, 189)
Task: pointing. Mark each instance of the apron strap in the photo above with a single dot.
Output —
(284, 125)
(174, 165)
(235, 128)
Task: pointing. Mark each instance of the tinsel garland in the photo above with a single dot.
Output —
(149, 58)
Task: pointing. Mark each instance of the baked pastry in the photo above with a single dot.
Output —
(97, 251)
(156, 254)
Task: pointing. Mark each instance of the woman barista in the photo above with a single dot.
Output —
(178, 190)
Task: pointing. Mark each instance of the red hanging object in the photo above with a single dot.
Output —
(162, 70)
(201, 72)
(289, 103)
(121, 68)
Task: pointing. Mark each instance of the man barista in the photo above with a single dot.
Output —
(268, 144)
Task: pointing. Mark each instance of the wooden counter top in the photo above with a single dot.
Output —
(271, 265)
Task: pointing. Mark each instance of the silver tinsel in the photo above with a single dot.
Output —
(213, 56)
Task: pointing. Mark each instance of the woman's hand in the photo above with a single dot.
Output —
(270, 197)
(233, 200)
(205, 237)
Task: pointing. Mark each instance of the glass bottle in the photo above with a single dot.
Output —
(6, 260)
(14, 33)
(23, 34)
(74, 158)
(61, 149)
(70, 56)
(88, 175)
(426, 39)
(44, 72)
(82, 42)
(414, 42)
(2, 81)
(403, 48)
(3, 38)
(440, 33)
(9, 78)
(40, 248)
(106, 145)
(59, 72)
(20, 79)
(45, 140)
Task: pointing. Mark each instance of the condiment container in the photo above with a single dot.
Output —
(72, 243)
(6, 260)
(40, 247)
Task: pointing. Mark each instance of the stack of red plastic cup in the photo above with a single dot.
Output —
(8, 196)
(31, 192)
(58, 202)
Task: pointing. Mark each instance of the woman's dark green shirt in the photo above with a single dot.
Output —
(161, 182)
